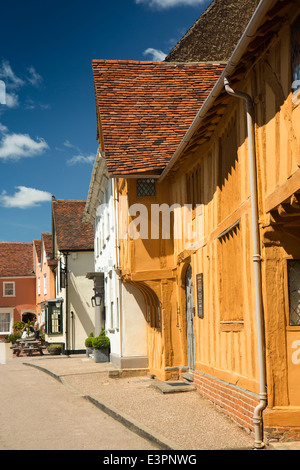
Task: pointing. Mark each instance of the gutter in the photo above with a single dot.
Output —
(239, 51)
(257, 417)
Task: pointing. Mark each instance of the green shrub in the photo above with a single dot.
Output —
(89, 342)
(101, 341)
(54, 346)
(18, 326)
(12, 338)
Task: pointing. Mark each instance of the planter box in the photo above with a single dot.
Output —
(54, 351)
(89, 351)
(6, 354)
(101, 355)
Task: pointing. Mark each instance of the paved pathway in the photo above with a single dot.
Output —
(178, 421)
(39, 413)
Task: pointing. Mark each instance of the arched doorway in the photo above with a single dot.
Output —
(190, 310)
(28, 317)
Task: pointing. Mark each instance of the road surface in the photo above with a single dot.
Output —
(39, 413)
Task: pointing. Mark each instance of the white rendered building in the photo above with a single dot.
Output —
(124, 305)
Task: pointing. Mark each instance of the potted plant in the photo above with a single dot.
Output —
(54, 349)
(101, 347)
(89, 344)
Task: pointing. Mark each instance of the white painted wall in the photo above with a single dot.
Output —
(80, 289)
(125, 323)
(105, 251)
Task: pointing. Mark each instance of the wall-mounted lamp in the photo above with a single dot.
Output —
(96, 300)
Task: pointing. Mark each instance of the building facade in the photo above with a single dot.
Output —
(17, 285)
(123, 312)
(44, 267)
(208, 217)
(70, 317)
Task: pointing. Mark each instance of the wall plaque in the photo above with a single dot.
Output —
(200, 304)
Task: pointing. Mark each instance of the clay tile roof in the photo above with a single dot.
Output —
(16, 259)
(47, 240)
(71, 233)
(145, 109)
(38, 244)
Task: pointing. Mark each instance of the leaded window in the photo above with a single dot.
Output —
(54, 317)
(145, 187)
(294, 291)
(295, 33)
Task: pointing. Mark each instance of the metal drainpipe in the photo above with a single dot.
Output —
(257, 416)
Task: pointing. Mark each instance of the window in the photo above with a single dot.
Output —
(111, 315)
(230, 288)
(145, 187)
(5, 323)
(45, 284)
(54, 319)
(294, 291)
(295, 37)
(8, 289)
(39, 286)
(193, 187)
(229, 170)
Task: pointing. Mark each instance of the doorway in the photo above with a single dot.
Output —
(190, 313)
(28, 317)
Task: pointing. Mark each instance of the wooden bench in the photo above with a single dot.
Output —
(28, 345)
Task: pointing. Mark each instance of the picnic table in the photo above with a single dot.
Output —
(28, 345)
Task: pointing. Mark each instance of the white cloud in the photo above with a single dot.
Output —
(12, 100)
(81, 159)
(12, 83)
(170, 3)
(35, 78)
(16, 146)
(2, 92)
(8, 75)
(156, 54)
(30, 104)
(24, 198)
(69, 145)
(3, 128)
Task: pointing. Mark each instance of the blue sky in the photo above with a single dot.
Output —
(47, 106)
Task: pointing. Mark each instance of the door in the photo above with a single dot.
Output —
(293, 332)
(190, 311)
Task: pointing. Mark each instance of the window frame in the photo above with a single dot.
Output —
(10, 313)
(5, 283)
(290, 261)
(295, 75)
(45, 283)
(49, 323)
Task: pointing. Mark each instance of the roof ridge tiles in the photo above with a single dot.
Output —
(127, 61)
(69, 200)
(156, 62)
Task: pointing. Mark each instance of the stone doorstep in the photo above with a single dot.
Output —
(284, 445)
(122, 373)
(173, 387)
